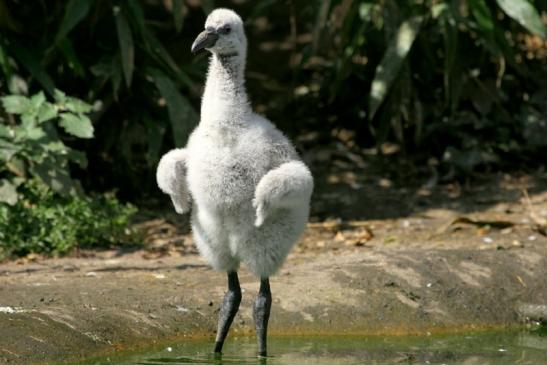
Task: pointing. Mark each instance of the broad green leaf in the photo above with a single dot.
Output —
(127, 50)
(391, 62)
(525, 14)
(29, 119)
(37, 100)
(8, 149)
(77, 125)
(56, 147)
(52, 173)
(8, 192)
(46, 112)
(178, 15)
(15, 104)
(77, 157)
(75, 11)
(59, 96)
(77, 106)
(17, 166)
(5, 132)
(34, 133)
(182, 115)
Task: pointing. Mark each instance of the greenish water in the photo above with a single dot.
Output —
(524, 348)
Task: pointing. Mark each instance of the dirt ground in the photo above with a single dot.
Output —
(379, 257)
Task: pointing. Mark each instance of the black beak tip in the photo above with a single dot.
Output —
(194, 48)
(205, 39)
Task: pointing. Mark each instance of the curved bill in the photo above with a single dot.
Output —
(205, 39)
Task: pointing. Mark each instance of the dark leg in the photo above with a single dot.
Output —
(228, 309)
(261, 314)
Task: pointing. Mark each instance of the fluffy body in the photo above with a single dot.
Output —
(248, 190)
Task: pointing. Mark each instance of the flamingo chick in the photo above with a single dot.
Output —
(241, 178)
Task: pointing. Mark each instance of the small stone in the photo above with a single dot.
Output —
(506, 230)
(210, 303)
(182, 309)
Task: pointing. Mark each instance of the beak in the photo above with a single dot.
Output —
(205, 39)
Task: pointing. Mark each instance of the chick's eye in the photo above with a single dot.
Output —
(225, 30)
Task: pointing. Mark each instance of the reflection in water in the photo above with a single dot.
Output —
(212, 359)
(528, 348)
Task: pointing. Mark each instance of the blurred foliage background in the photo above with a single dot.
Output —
(458, 86)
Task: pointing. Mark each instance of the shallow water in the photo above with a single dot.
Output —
(523, 348)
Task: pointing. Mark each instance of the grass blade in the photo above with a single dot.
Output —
(156, 50)
(182, 115)
(127, 49)
(178, 16)
(525, 14)
(75, 11)
(391, 63)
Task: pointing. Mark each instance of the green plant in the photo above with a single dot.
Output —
(45, 222)
(42, 207)
(31, 145)
(457, 79)
(107, 51)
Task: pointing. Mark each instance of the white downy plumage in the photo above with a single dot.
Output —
(248, 191)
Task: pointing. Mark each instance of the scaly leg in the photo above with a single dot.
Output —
(228, 309)
(261, 314)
